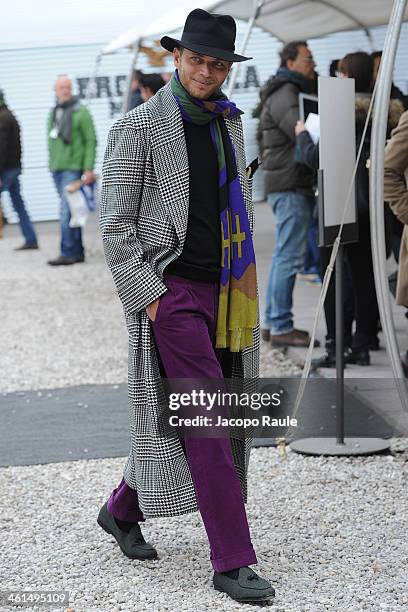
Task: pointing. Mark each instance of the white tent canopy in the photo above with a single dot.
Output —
(285, 19)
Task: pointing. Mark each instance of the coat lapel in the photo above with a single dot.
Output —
(169, 152)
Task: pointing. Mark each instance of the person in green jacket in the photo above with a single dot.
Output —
(72, 150)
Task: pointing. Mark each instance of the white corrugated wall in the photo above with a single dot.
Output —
(27, 77)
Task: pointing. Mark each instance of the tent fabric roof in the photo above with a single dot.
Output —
(285, 19)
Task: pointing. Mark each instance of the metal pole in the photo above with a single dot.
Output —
(258, 4)
(371, 41)
(339, 346)
(378, 136)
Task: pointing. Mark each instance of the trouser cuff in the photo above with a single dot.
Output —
(246, 557)
(127, 515)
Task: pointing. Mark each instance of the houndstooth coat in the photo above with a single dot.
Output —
(144, 211)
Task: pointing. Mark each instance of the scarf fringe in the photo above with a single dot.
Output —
(236, 340)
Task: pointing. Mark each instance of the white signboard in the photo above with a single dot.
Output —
(337, 152)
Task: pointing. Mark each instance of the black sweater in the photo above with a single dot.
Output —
(201, 255)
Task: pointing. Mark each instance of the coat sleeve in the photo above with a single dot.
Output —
(283, 106)
(395, 166)
(307, 150)
(122, 184)
(89, 135)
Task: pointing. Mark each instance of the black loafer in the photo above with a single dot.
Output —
(248, 586)
(358, 357)
(131, 543)
(374, 344)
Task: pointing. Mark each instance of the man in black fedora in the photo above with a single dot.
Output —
(176, 223)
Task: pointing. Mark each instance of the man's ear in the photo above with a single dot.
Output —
(176, 57)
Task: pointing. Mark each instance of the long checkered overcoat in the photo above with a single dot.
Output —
(144, 210)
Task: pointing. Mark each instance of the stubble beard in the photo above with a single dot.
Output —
(198, 95)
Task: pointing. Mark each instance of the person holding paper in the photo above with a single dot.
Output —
(288, 188)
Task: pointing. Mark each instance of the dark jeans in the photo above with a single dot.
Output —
(312, 257)
(71, 237)
(293, 211)
(10, 182)
(184, 332)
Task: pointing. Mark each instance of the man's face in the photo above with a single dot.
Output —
(200, 75)
(304, 63)
(63, 89)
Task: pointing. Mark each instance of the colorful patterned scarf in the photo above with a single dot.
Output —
(238, 302)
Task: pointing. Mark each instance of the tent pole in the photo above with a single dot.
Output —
(90, 87)
(379, 130)
(258, 4)
(127, 94)
(370, 38)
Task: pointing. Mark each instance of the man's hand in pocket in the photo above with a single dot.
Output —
(151, 309)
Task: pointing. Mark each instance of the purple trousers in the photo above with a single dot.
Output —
(184, 332)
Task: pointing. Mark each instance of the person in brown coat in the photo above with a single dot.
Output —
(396, 194)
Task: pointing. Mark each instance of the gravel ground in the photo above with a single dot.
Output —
(329, 533)
(64, 326)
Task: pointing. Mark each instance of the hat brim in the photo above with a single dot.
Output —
(169, 43)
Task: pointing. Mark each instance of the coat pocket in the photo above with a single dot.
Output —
(157, 310)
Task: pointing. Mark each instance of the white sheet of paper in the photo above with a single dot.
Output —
(312, 124)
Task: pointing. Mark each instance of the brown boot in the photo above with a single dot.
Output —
(295, 337)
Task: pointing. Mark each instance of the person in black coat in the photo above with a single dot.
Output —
(10, 170)
(307, 152)
(395, 93)
(360, 67)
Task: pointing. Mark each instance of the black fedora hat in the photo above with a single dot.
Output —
(207, 34)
